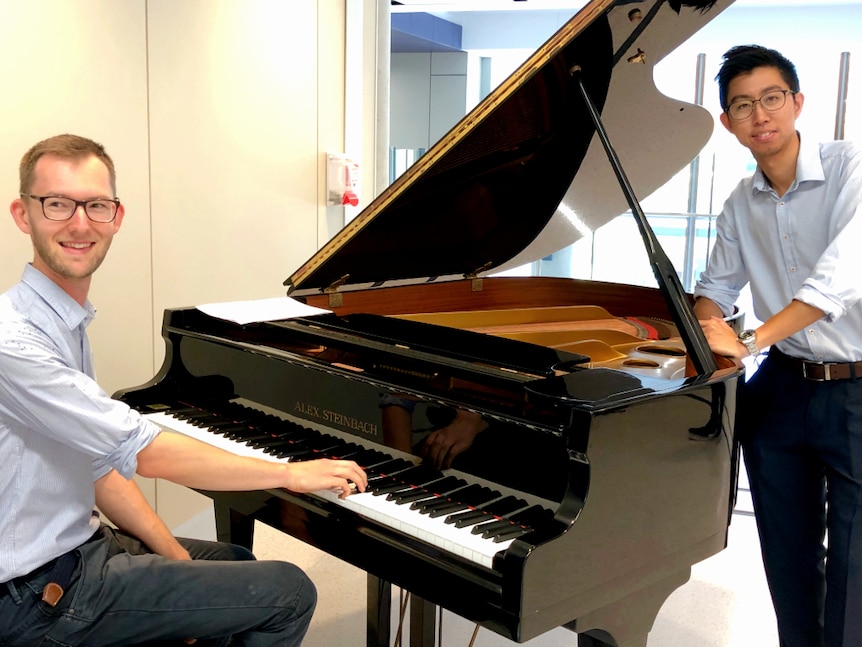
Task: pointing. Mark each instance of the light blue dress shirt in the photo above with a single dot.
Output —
(804, 245)
(59, 431)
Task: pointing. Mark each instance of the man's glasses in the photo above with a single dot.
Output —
(55, 207)
(770, 101)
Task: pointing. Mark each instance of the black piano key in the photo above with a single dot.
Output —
(277, 444)
(490, 528)
(178, 411)
(532, 516)
(441, 489)
(252, 438)
(426, 491)
(347, 452)
(420, 475)
(298, 453)
(233, 431)
(387, 486)
(415, 494)
(390, 467)
(495, 509)
(403, 480)
(371, 458)
(528, 519)
(474, 495)
(326, 443)
(510, 533)
(430, 506)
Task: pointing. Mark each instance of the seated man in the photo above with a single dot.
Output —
(66, 447)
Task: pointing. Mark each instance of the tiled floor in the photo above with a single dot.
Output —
(724, 604)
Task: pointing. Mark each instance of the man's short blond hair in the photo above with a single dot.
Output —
(69, 147)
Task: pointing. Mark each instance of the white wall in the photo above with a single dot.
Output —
(218, 116)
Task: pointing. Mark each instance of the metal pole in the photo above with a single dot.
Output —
(694, 179)
(841, 112)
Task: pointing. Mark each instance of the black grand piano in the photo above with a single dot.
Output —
(601, 461)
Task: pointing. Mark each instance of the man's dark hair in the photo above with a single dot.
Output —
(742, 59)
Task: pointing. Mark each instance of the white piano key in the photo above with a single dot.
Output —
(170, 423)
(459, 541)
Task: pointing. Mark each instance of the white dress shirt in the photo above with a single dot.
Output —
(59, 431)
(804, 245)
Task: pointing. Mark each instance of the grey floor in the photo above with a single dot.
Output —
(724, 604)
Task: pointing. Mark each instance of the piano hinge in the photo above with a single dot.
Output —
(336, 299)
(477, 283)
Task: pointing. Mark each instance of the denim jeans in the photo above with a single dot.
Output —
(122, 595)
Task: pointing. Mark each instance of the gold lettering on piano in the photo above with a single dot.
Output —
(333, 417)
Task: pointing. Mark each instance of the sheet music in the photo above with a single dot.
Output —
(259, 310)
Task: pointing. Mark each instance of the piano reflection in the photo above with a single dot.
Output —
(587, 453)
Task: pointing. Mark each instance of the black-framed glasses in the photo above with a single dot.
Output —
(57, 207)
(770, 101)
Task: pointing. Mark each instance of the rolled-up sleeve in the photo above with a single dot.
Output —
(41, 393)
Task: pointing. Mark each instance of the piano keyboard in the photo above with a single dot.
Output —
(472, 520)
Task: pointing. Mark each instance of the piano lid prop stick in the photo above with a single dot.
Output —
(664, 271)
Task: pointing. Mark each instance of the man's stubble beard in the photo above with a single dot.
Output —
(68, 270)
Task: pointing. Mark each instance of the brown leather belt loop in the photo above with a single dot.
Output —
(819, 371)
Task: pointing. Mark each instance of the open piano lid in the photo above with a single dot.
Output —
(522, 175)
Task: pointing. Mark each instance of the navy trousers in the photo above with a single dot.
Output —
(802, 444)
(122, 595)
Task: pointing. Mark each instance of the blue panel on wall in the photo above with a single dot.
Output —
(422, 32)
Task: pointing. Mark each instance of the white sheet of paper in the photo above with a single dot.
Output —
(257, 310)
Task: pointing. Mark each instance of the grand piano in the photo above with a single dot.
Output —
(601, 466)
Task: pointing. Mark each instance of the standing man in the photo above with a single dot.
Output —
(792, 231)
(66, 447)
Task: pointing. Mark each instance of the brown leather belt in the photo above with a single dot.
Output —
(818, 371)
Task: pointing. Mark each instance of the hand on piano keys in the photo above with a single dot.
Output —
(339, 476)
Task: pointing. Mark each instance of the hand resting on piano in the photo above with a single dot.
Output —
(439, 447)
(196, 464)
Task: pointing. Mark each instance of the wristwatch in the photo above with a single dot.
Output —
(747, 338)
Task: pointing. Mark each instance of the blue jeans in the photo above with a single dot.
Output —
(122, 595)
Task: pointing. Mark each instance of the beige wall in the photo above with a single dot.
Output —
(218, 114)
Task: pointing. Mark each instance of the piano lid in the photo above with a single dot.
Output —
(522, 175)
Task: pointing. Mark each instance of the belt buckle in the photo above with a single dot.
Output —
(827, 375)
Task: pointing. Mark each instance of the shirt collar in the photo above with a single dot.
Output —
(69, 310)
(809, 167)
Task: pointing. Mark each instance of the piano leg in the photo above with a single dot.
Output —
(602, 639)
(422, 616)
(379, 613)
(232, 526)
(627, 621)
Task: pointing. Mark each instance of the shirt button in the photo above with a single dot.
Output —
(792, 268)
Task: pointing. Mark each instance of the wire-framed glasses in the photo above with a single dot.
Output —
(57, 207)
(770, 101)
